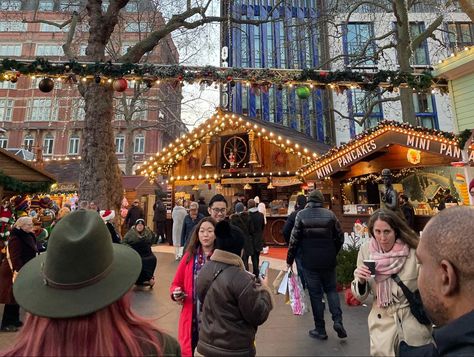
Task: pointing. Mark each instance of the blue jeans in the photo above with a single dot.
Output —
(320, 282)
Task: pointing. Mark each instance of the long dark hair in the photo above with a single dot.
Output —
(402, 230)
(194, 242)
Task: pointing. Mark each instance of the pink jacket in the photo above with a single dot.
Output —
(184, 278)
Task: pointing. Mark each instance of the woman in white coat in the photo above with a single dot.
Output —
(178, 214)
(392, 246)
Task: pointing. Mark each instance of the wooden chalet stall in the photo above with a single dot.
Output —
(231, 154)
(420, 160)
(20, 176)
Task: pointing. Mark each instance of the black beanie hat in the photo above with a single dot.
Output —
(229, 238)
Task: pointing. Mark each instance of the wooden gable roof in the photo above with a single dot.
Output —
(17, 168)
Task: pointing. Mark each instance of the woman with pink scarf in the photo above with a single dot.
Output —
(392, 246)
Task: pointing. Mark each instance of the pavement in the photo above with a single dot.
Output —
(283, 334)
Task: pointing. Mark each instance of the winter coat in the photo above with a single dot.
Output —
(22, 248)
(184, 279)
(203, 209)
(242, 220)
(134, 213)
(113, 233)
(188, 226)
(318, 234)
(234, 305)
(159, 212)
(257, 220)
(388, 326)
(289, 224)
(141, 243)
(178, 214)
(408, 214)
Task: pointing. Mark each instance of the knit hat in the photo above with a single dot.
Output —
(45, 202)
(316, 196)
(35, 202)
(20, 203)
(107, 215)
(301, 201)
(229, 238)
(239, 207)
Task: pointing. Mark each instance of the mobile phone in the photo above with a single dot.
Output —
(264, 268)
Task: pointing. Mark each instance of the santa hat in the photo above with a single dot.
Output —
(5, 215)
(107, 215)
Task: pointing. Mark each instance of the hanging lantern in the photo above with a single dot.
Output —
(247, 186)
(120, 85)
(46, 85)
(270, 186)
(195, 188)
(303, 92)
(97, 79)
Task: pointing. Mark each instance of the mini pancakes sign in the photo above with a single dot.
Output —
(338, 159)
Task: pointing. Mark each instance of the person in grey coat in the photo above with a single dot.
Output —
(178, 215)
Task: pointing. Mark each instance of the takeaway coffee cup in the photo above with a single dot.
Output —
(371, 265)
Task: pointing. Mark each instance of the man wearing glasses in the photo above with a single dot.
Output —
(218, 207)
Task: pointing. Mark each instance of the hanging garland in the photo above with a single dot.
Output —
(17, 186)
(258, 79)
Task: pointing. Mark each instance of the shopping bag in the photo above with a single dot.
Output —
(276, 283)
(297, 295)
(283, 288)
(350, 298)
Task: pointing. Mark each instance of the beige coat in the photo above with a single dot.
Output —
(389, 325)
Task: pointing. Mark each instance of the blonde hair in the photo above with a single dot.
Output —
(23, 221)
(63, 212)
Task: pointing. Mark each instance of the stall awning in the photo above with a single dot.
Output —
(19, 169)
(384, 135)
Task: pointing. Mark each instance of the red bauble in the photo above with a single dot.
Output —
(323, 74)
(180, 78)
(120, 85)
(229, 78)
(46, 85)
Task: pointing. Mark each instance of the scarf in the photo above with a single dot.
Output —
(387, 264)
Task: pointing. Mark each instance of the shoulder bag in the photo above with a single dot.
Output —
(414, 299)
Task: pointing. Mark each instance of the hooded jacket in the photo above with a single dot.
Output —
(319, 235)
(234, 305)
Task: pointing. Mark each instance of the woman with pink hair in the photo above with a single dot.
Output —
(77, 297)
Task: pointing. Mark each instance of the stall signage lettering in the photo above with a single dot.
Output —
(427, 145)
(346, 159)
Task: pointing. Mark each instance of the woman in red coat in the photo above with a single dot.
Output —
(200, 248)
(21, 248)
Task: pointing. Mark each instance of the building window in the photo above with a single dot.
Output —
(356, 38)
(45, 5)
(137, 27)
(420, 56)
(119, 144)
(68, 5)
(6, 109)
(12, 26)
(73, 148)
(42, 110)
(8, 49)
(362, 102)
(48, 145)
(78, 109)
(11, 5)
(7, 85)
(3, 141)
(139, 111)
(132, 6)
(52, 28)
(460, 35)
(139, 144)
(49, 50)
(425, 110)
(28, 142)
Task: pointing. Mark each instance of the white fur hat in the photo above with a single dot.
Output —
(107, 215)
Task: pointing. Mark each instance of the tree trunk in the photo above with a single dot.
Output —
(129, 151)
(100, 178)
(404, 53)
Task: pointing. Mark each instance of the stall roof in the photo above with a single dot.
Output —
(385, 134)
(13, 166)
(281, 136)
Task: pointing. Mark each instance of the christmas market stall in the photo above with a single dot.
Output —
(423, 164)
(236, 155)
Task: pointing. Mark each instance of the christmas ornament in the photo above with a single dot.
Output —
(46, 85)
(303, 92)
(97, 79)
(120, 85)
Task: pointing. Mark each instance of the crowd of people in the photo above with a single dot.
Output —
(223, 300)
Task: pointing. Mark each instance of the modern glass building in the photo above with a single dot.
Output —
(291, 41)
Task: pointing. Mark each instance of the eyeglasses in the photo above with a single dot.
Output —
(219, 210)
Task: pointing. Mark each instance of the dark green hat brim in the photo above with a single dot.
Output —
(32, 294)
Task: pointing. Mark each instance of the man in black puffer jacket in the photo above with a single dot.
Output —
(318, 234)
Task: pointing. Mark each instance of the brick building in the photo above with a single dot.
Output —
(53, 122)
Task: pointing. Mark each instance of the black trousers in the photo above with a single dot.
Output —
(255, 262)
(161, 230)
(11, 315)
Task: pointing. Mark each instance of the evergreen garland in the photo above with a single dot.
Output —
(17, 186)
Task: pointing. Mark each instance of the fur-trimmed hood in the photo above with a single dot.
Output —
(227, 258)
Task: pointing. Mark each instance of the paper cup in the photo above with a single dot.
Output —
(371, 265)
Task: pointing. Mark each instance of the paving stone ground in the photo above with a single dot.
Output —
(282, 335)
